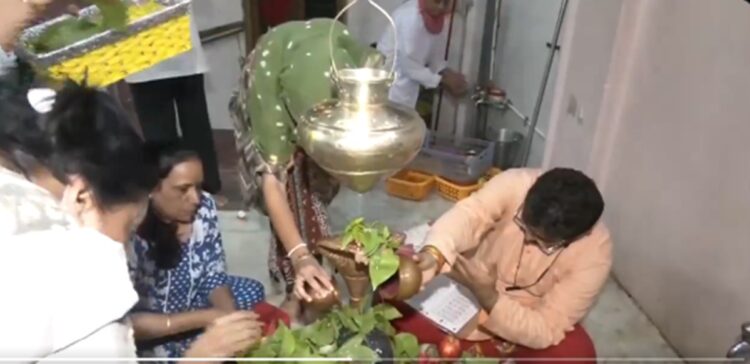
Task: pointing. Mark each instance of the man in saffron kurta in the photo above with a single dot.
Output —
(531, 248)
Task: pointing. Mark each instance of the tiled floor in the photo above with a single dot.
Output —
(618, 327)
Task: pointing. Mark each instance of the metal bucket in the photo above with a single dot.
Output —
(507, 146)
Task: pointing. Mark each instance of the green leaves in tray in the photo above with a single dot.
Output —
(113, 15)
(322, 339)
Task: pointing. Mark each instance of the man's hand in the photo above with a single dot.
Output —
(454, 82)
(478, 278)
(227, 336)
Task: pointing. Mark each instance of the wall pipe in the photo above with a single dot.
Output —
(436, 118)
(487, 59)
(553, 48)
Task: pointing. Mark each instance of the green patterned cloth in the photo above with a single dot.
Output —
(290, 72)
(287, 73)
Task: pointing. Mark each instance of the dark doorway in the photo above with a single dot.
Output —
(321, 9)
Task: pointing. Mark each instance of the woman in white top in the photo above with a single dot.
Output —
(70, 196)
(422, 36)
(173, 92)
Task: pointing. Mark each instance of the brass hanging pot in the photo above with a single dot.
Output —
(361, 137)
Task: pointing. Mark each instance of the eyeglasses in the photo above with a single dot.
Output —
(546, 246)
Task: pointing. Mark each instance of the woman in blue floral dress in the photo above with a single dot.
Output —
(177, 262)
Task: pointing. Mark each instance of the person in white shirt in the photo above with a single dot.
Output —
(171, 92)
(421, 36)
(65, 213)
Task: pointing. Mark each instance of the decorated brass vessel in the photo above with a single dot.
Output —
(361, 137)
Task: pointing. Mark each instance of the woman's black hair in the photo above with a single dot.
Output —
(563, 204)
(23, 143)
(161, 236)
(93, 137)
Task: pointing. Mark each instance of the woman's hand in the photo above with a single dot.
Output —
(310, 273)
(227, 336)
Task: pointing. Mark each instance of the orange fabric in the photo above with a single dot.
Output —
(481, 228)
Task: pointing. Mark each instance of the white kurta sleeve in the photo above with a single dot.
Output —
(408, 46)
(437, 61)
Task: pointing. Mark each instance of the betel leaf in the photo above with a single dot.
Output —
(114, 13)
(354, 349)
(406, 345)
(367, 323)
(321, 335)
(288, 342)
(383, 265)
(387, 312)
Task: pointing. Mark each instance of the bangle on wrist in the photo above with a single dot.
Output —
(297, 247)
(169, 322)
(439, 258)
(301, 258)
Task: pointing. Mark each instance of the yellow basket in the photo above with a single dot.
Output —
(453, 191)
(494, 171)
(456, 192)
(156, 33)
(410, 185)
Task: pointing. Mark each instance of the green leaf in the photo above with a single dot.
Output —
(355, 341)
(354, 349)
(406, 345)
(371, 242)
(360, 354)
(114, 13)
(386, 328)
(382, 267)
(288, 343)
(322, 335)
(385, 232)
(367, 324)
(388, 312)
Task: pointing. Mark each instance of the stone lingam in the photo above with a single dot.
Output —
(369, 256)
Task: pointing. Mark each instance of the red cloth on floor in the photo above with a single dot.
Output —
(576, 345)
(270, 316)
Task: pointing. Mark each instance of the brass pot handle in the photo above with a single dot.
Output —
(387, 16)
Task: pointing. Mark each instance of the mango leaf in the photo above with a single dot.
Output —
(406, 345)
(382, 266)
(114, 13)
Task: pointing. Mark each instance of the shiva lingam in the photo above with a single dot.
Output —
(361, 137)
(404, 285)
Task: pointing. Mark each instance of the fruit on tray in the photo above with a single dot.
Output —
(450, 348)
